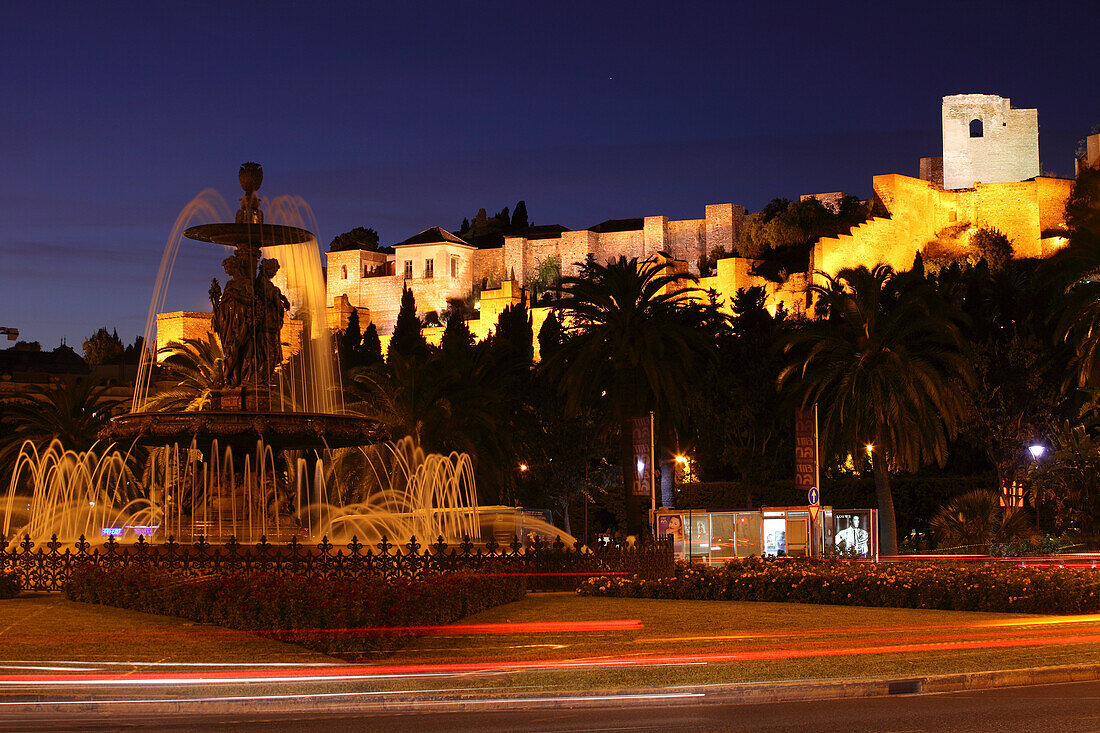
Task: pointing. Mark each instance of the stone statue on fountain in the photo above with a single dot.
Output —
(271, 308)
(235, 322)
(249, 312)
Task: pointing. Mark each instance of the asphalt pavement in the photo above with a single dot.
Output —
(1048, 708)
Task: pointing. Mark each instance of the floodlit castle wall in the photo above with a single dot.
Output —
(1007, 150)
(1030, 213)
(687, 241)
(488, 264)
(612, 245)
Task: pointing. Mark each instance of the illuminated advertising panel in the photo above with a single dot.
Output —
(852, 533)
(672, 524)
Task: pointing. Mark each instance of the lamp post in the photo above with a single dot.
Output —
(683, 461)
(1037, 451)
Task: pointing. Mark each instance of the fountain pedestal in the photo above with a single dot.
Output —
(242, 399)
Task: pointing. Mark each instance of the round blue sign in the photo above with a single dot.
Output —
(812, 495)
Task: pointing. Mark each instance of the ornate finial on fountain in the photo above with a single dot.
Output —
(251, 176)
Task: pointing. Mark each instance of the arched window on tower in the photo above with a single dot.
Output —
(976, 128)
(344, 272)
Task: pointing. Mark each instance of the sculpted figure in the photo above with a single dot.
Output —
(233, 322)
(271, 308)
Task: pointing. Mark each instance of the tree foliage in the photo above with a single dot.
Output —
(889, 367)
(357, 238)
(635, 336)
(103, 347)
(993, 247)
(407, 339)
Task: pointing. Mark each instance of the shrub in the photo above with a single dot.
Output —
(957, 587)
(346, 617)
(9, 585)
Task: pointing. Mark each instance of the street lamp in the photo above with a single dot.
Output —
(1036, 450)
(683, 462)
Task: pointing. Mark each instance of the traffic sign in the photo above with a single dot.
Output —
(814, 509)
(812, 496)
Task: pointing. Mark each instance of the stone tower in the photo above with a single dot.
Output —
(985, 140)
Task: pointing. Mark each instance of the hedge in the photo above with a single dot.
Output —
(957, 587)
(345, 617)
(9, 585)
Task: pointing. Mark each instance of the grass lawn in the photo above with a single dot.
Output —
(677, 643)
(827, 641)
(46, 627)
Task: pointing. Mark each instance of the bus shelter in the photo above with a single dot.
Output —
(715, 537)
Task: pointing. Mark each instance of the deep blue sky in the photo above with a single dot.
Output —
(406, 115)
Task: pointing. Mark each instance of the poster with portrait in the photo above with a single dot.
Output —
(672, 524)
(852, 533)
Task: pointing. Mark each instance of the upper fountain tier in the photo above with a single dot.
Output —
(249, 232)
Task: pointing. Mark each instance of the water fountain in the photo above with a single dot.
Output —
(254, 462)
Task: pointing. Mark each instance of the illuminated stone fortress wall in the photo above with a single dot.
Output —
(988, 179)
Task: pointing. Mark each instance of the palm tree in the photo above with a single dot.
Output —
(976, 519)
(888, 368)
(636, 333)
(197, 371)
(72, 411)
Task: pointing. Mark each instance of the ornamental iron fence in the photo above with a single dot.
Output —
(546, 565)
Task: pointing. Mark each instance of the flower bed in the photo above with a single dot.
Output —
(346, 617)
(9, 585)
(970, 587)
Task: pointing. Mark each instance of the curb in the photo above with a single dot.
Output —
(287, 702)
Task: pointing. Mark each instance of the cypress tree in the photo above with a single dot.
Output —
(407, 340)
(514, 336)
(349, 342)
(550, 336)
(370, 351)
(457, 337)
(519, 218)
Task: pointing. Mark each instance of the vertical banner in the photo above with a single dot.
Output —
(805, 453)
(642, 439)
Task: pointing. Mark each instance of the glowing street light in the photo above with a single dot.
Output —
(682, 460)
(870, 448)
(1036, 451)
(522, 467)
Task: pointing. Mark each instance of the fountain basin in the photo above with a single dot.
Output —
(280, 430)
(260, 235)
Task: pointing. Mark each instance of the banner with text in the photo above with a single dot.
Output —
(805, 453)
(642, 439)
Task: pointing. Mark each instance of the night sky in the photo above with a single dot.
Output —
(401, 116)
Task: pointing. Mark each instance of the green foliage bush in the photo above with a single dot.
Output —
(347, 617)
(9, 585)
(994, 587)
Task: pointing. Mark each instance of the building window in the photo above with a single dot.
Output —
(429, 268)
(976, 128)
(344, 272)
(408, 269)
(454, 268)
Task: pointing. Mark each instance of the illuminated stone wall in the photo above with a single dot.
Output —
(1007, 149)
(1029, 213)
(685, 239)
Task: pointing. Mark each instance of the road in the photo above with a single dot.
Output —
(1048, 708)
